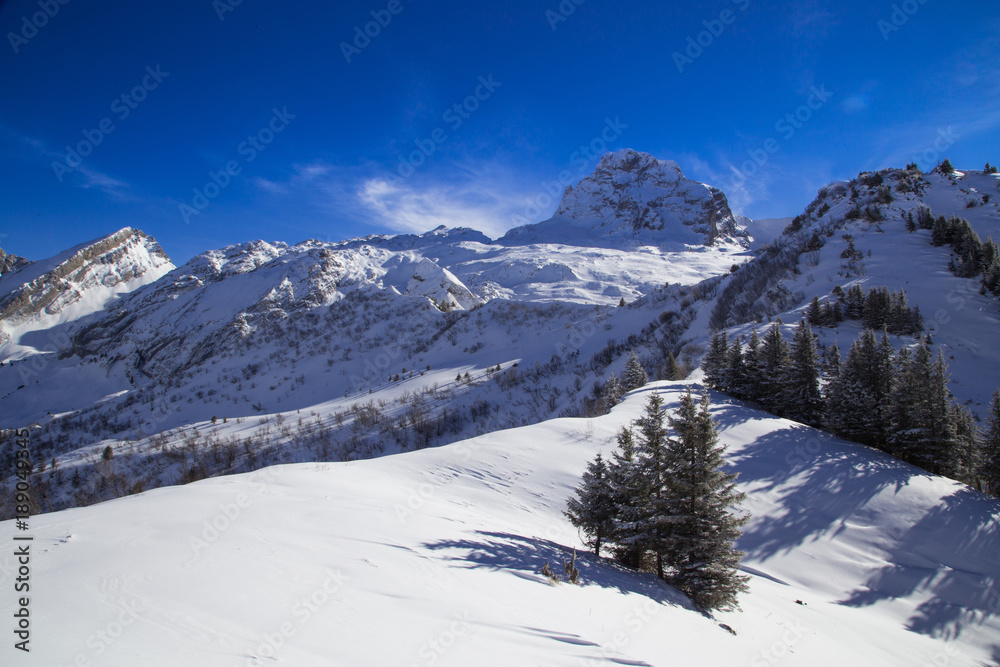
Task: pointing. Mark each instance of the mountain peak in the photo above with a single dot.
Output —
(634, 196)
(76, 282)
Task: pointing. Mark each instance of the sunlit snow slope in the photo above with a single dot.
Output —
(433, 558)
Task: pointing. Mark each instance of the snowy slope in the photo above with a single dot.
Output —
(964, 323)
(433, 557)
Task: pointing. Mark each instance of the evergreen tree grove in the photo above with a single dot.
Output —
(666, 504)
(802, 398)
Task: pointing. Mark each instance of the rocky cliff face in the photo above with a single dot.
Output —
(10, 263)
(79, 281)
(635, 192)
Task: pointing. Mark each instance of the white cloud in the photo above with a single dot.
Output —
(404, 208)
(486, 197)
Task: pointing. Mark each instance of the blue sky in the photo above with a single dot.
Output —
(458, 113)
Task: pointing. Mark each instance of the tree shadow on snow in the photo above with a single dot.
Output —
(960, 574)
(822, 485)
(816, 481)
(525, 556)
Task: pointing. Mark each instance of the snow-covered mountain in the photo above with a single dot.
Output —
(633, 196)
(262, 354)
(43, 295)
(386, 344)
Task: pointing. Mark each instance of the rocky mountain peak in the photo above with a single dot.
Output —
(9, 263)
(634, 196)
(635, 192)
(78, 282)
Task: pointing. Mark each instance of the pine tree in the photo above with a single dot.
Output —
(671, 371)
(629, 496)
(593, 508)
(737, 375)
(831, 361)
(815, 312)
(944, 445)
(652, 530)
(877, 308)
(990, 262)
(635, 375)
(854, 302)
(989, 468)
(967, 454)
(945, 167)
(773, 360)
(700, 551)
(612, 392)
(857, 400)
(923, 427)
(801, 396)
(751, 359)
(715, 361)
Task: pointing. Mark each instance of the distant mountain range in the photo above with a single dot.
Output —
(109, 344)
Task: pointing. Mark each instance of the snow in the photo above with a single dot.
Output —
(433, 557)
(42, 323)
(633, 196)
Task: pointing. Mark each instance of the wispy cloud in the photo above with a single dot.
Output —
(854, 104)
(36, 150)
(483, 197)
(410, 209)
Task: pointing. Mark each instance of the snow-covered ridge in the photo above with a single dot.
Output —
(75, 283)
